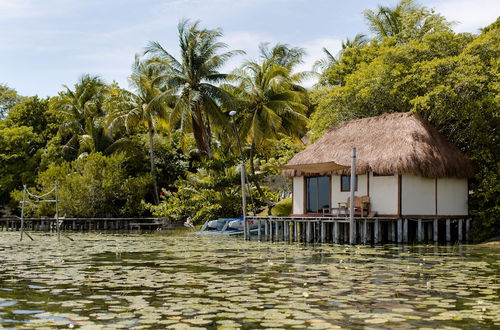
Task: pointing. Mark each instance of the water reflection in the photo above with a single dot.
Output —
(213, 281)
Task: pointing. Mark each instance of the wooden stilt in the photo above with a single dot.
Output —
(448, 230)
(460, 224)
(336, 232)
(405, 230)
(435, 235)
(376, 231)
(276, 230)
(365, 231)
(392, 224)
(258, 230)
(467, 229)
(400, 230)
(296, 231)
(420, 232)
(322, 232)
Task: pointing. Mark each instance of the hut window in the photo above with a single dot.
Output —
(345, 183)
(318, 193)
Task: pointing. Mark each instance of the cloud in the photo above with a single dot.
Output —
(21, 9)
(470, 15)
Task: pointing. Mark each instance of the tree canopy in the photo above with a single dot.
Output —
(165, 146)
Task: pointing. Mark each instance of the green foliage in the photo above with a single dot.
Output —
(206, 194)
(8, 98)
(195, 79)
(83, 129)
(34, 112)
(109, 148)
(283, 208)
(19, 156)
(95, 186)
(449, 79)
(406, 21)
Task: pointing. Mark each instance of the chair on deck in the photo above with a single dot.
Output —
(361, 205)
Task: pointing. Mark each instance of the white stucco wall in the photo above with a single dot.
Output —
(384, 194)
(341, 196)
(452, 196)
(298, 195)
(418, 195)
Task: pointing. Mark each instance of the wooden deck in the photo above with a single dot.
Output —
(374, 230)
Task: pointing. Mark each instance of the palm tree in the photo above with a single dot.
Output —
(194, 78)
(83, 109)
(405, 21)
(273, 101)
(323, 64)
(146, 104)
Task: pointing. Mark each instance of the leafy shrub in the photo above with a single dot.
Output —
(93, 186)
(283, 208)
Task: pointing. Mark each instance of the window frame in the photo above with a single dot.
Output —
(349, 183)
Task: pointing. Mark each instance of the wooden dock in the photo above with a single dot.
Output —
(375, 230)
(81, 224)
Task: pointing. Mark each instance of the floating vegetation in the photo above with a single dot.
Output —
(151, 281)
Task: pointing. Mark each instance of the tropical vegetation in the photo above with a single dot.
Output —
(166, 145)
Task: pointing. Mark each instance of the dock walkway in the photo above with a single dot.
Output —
(80, 224)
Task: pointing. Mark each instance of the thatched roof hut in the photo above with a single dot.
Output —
(397, 143)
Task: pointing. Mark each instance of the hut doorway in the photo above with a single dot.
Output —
(317, 193)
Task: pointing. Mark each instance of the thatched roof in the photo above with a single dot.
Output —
(398, 143)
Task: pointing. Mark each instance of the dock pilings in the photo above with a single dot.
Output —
(367, 231)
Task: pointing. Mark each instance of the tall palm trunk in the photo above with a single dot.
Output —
(200, 131)
(252, 171)
(152, 162)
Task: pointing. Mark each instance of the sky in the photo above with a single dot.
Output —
(45, 44)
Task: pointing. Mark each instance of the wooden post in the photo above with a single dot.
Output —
(266, 228)
(392, 224)
(429, 231)
(420, 232)
(352, 228)
(258, 230)
(435, 235)
(405, 230)
(322, 224)
(377, 231)
(287, 231)
(467, 229)
(336, 232)
(22, 212)
(400, 230)
(57, 212)
(277, 230)
(295, 231)
(365, 231)
(243, 199)
(448, 230)
(460, 224)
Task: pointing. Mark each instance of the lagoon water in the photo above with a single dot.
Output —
(179, 280)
